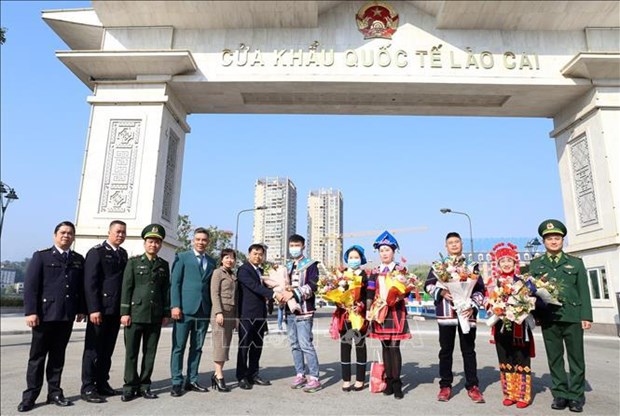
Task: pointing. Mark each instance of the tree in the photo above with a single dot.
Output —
(184, 229)
(2, 35)
(218, 239)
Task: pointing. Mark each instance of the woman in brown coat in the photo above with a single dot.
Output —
(223, 314)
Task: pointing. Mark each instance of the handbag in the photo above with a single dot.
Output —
(377, 375)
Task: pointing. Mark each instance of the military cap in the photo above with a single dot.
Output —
(551, 227)
(154, 231)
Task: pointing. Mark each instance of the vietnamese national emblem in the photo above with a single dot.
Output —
(377, 20)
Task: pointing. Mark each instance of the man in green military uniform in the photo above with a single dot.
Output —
(563, 325)
(145, 307)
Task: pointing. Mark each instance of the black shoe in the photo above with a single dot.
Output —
(348, 388)
(397, 387)
(360, 388)
(128, 396)
(260, 381)
(176, 391)
(107, 390)
(559, 403)
(25, 406)
(59, 400)
(195, 387)
(575, 406)
(92, 397)
(389, 390)
(244, 384)
(219, 384)
(148, 394)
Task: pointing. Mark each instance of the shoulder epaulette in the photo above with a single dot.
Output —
(45, 249)
(98, 245)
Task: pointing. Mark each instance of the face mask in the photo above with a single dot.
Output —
(354, 264)
(294, 251)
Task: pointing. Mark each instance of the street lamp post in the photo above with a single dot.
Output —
(5, 200)
(532, 247)
(471, 235)
(238, 214)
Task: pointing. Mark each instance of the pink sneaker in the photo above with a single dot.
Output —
(299, 381)
(313, 386)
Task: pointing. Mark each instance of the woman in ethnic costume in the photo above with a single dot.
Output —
(392, 328)
(514, 345)
(352, 329)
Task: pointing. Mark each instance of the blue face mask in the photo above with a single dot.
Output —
(354, 264)
(294, 251)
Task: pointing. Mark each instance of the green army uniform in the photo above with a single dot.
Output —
(146, 298)
(561, 325)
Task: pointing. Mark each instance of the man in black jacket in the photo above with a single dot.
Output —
(253, 296)
(103, 278)
(53, 290)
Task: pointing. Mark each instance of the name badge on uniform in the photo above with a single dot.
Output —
(568, 266)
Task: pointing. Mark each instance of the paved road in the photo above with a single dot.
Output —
(420, 380)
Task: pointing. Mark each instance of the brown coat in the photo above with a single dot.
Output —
(223, 292)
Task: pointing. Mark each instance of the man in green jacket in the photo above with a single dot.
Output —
(563, 325)
(145, 307)
(190, 301)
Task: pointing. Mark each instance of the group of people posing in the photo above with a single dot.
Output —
(142, 293)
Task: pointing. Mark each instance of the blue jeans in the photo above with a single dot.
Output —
(300, 337)
(280, 317)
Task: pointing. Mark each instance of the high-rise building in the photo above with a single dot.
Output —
(275, 224)
(325, 226)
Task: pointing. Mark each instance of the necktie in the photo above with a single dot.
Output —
(554, 258)
(203, 262)
(386, 270)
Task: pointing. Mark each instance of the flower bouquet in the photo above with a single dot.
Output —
(510, 301)
(548, 290)
(276, 277)
(459, 277)
(343, 288)
(399, 283)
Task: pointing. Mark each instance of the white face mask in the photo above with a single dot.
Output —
(294, 251)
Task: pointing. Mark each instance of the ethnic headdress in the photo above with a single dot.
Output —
(501, 250)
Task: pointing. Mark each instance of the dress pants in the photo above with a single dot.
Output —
(251, 332)
(194, 328)
(148, 336)
(447, 335)
(557, 335)
(98, 349)
(49, 340)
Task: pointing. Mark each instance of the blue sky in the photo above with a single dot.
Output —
(393, 171)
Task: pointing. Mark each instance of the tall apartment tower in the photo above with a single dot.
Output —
(325, 226)
(275, 224)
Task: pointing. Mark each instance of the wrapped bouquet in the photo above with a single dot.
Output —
(343, 288)
(511, 302)
(459, 277)
(548, 290)
(276, 277)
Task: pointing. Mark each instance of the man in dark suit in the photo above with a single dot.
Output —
(53, 290)
(253, 298)
(103, 279)
(190, 302)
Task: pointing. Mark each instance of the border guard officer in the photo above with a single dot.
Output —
(145, 307)
(562, 326)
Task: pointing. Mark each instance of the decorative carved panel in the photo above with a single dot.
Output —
(170, 179)
(583, 182)
(120, 166)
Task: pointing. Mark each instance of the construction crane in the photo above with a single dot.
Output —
(408, 230)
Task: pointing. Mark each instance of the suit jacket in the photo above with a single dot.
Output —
(103, 278)
(571, 275)
(53, 288)
(224, 291)
(252, 293)
(190, 286)
(146, 290)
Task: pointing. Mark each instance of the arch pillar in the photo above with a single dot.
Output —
(132, 165)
